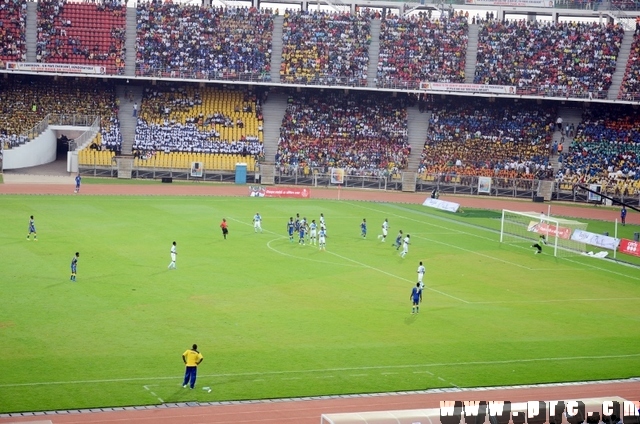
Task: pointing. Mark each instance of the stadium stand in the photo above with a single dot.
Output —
(362, 132)
(549, 59)
(218, 127)
(415, 49)
(630, 88)
(13, 16)
(480, 138)
(196, 42)
(325, 48)
(26, 101)
(605, 151)
(82, 34)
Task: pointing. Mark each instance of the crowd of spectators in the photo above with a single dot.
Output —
(364, 133)
(186, 119)
(13, 16)
(605, 151)
(26, 101)
(630, 87)
(205, 42)
(492, 139)
(82, 33)
(625, 4)
(325, 48)
(415, 49)
(565, 59)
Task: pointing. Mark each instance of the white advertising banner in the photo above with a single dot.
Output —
(58, 68)
(337, 175)
(514, 3)
(598, 240)
(484, 185)
(468, 88)
(443, 205)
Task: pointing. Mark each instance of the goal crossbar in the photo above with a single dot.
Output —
(538, 228)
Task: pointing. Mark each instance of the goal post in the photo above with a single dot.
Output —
(526, 228)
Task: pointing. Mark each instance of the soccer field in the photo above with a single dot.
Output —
(276, 319)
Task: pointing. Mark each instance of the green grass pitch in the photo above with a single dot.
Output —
(274, 319)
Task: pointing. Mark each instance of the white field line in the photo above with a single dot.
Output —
(633, 277)
(395, 276)
(147, 387)
(360, 264)
(332, 370)
(613, 299)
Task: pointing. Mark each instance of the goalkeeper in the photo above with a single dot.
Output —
(542, 240)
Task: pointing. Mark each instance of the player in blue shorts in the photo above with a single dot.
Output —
(297, 223)
(416, 298)
(32, 229)
(398, 241)
(291, 226)
(78, 180)
(74, 266)
(363, 228)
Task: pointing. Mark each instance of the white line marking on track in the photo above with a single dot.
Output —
(271, 373)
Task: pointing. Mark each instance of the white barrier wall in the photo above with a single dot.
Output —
(38, 151)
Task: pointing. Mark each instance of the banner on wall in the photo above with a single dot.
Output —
(196, 169)
(592, 196)
(484, 185)
(292, 192)
(630, 247)
(443, 205)
(337, 175)
(513, 3)
(467, 88)
(593, 239)
(549, 230)
(58, 68)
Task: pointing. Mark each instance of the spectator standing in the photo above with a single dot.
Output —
(191, 358)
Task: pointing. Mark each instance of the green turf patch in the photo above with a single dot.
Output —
(277, 319)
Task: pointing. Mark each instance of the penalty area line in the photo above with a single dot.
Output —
(147, 388)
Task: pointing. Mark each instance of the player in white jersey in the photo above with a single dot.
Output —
(322, 244)
(174, 253)
(405, 245)
(323, 224)
(421, 271)
(385, 230)
(313, 232)
(257, 223)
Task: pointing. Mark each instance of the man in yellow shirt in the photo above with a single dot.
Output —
(191, 358)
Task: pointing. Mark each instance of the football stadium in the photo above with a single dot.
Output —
(334, 212)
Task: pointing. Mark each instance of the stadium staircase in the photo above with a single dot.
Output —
(125, 115)
(569, 116)
(273, 111)
(417, 127)
(276, 49)
(130, 44)
(621, 66)
(472, 54)
(374, 54)
(32, 31)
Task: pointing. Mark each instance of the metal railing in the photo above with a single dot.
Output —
(523, 188)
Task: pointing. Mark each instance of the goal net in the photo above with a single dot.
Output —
(528, 228)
